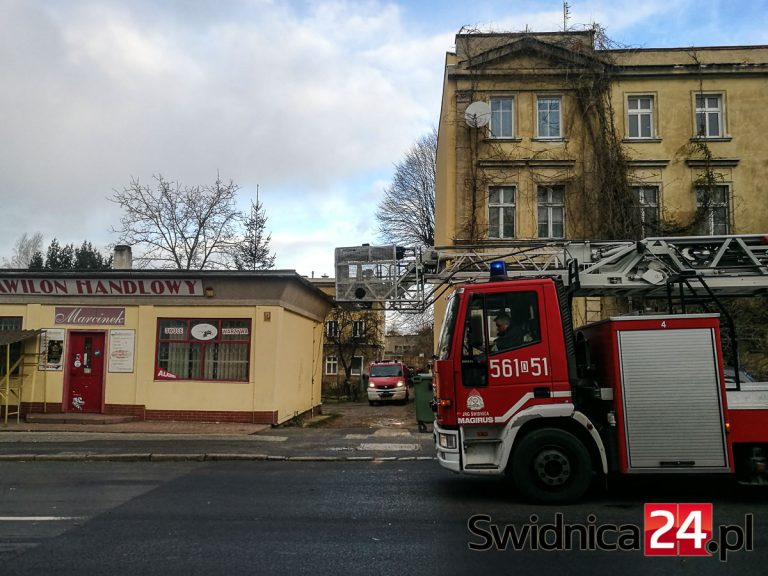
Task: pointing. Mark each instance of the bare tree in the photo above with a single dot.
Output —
(24, 249)
(183, 227)
(252, 252)
(403, 324)
(354, 332)
(406, 214)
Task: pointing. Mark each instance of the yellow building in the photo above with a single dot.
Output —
(545, 136)
(162, 345)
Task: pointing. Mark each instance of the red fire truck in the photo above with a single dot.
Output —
(518, 391)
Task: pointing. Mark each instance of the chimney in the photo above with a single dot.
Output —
(122, 259)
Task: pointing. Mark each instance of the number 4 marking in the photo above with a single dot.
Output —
(698, 537)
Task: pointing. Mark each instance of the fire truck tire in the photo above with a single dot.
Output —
(551, 466)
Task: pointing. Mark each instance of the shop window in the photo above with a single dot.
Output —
(203, 349)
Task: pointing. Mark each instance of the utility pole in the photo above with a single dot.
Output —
(566, 15)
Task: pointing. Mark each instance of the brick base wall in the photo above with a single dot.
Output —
(142, 413)
(213, 416)
(137, 412)
(37, 408)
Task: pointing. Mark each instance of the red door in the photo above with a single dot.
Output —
(86, 372)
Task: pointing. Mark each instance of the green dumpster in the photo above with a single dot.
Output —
(422, 386)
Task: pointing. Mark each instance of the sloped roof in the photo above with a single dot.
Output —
(527, 44)
(13, 336)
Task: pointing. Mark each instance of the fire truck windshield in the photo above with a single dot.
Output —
(449, 325)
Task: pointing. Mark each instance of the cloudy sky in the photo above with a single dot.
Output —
(311, 101)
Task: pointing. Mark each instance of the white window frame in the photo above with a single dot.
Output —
(637, 114)
(353, 371)
(709, 226)
(332, 328)
(358, 328)
(502, 208)
(644, 205)
(549, 206)
(539, 112)
(705, 113)
(497, 125)
(331, 365)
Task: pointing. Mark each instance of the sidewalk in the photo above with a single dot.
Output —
(344, 432)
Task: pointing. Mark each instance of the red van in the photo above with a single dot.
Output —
(387, 381)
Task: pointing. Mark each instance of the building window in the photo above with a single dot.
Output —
(332, 329)
(647, 204)
(501, 212)
(10, 323)
(551, 211)
(640, 111)
(203, 349)
(358, 328)
(357, 366)
(502, 117)
(548, 116)
(331, 365)
(709, 115)
(712, 205)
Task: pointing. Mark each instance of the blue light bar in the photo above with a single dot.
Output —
(498, 270)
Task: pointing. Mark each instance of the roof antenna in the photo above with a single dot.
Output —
(566, 15)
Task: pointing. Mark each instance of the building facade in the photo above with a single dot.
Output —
(181, 345)
(352, 339)
(414, 350)
(573, 142)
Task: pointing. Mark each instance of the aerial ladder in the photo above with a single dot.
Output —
(684, 270)
(408, 279)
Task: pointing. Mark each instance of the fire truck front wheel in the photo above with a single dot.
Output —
(551, 466)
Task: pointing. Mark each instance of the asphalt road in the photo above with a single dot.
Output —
(388, 517)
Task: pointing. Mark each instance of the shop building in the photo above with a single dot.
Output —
(161, 345)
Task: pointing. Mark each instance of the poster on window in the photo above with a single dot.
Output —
(51, 349)
(121, 350)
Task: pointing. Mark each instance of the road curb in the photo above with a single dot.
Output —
(215, 457)
(16, 457)
(119, 457)
(235, 456)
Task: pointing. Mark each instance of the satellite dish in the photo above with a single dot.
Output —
(477, 114)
